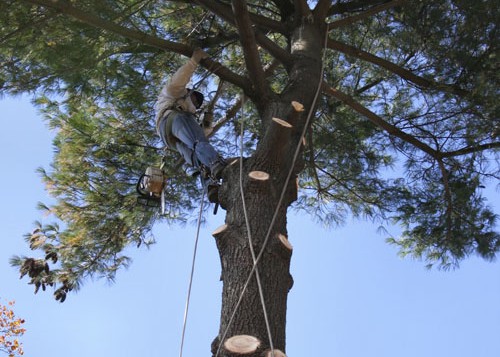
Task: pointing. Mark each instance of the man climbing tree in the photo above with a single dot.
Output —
(334, 94)
(178, 128)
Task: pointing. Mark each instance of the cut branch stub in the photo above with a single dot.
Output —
(285, 241)
(242, 344)
(282, 122)
(297, 106)
(277, 353)
(219, 230)
(259, 175)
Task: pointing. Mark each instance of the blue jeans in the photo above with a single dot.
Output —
(189, 140)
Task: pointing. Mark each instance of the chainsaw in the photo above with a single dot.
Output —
(151, 188)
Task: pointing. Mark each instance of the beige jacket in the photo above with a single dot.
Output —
(173, 94)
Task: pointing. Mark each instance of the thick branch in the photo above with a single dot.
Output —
(249, 45)
(355, 5)
(95, 21)
(312, 160)
(302, 8)
(394, 68)
(321, 9)
(376, 9)
(378, 121)
(224, 11)
(274, 50)
(352, 190)
(471, 149)
(231, 112)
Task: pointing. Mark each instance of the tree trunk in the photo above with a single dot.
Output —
(261, 200)
(267, 198)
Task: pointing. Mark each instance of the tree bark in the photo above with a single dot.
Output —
(261, 200)
(268, 182)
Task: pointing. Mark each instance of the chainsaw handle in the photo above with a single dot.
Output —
(138, 186)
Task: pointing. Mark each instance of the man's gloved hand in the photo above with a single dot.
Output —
(198, 55)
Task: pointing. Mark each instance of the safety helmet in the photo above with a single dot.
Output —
(198, 96)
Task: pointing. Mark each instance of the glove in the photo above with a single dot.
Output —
(198, 55)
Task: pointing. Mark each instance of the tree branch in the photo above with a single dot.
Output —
(321, 10)
(95, 21)
(249, 45)
(394, 68)
(224, 11)
(471, 149)
(376, 9)
(355, 5)
(34, 22)
(274, 50)
(378, 121)
(231, 112)
(302, 8)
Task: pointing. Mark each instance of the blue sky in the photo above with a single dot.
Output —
(353, 296)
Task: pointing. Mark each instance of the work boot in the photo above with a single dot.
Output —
(190, 170)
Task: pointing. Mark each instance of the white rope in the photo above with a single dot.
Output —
(254, 259)
(186, 310)
(283, 191)
(250, 242)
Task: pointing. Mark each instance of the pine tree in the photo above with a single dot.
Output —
(369, 108)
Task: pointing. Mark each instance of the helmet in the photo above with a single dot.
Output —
(198, 97)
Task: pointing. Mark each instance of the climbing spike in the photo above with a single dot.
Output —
(242, 344)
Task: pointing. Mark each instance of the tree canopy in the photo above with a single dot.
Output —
(406, 128)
